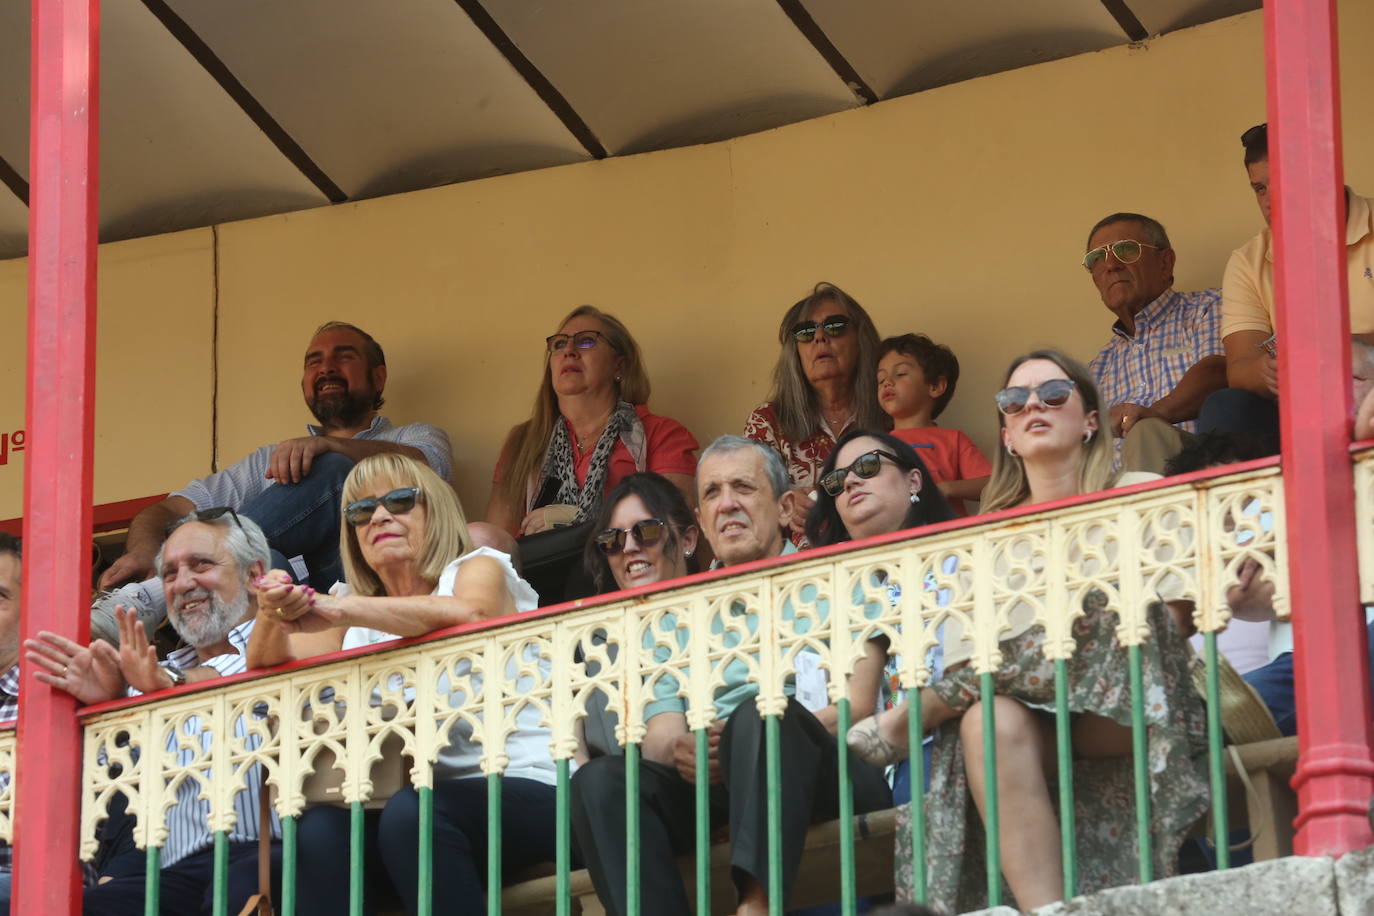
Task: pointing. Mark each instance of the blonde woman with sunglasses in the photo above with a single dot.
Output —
(1052, 448)
(412, 568)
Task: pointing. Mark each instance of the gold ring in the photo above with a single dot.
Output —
(280, 613)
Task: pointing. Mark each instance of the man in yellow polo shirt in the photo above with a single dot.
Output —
(1250, 405)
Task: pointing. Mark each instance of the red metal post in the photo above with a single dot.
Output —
(1335, 775)
(64, 139)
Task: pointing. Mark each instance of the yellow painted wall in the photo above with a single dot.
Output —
(960, 212)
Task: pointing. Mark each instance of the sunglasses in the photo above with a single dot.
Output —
(832, 325)
(208, 515)
(1127, 251)
(1053, 393)
(865, 466)
(647, 532)
(582, 340)
(397, 502)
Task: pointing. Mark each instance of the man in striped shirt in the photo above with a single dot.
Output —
(291, 488)
(210, 565)
(1165, 356)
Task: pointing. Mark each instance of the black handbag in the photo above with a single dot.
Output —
(551, 561)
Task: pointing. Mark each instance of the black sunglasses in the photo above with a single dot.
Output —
(832, 325)
(1052, 393)
(207, 515)
(647, 532)
(397, 502)
(865, 466)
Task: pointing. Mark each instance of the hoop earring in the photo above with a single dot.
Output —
(1087, 437)
(1011, 451)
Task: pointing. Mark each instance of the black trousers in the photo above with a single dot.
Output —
(188, 886)
(809, 792)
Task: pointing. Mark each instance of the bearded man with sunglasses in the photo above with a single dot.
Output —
(1165, 355)
(291, 488)
(745, 499)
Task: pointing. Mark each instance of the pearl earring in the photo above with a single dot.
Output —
(915, 497)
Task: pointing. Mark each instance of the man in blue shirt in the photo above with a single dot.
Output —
(744, 503)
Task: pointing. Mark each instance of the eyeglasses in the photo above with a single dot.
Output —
(1052, 393)
(582, 340)
(397, 502)
(832, 325)
(1257, 134)
(865, 466)
(1127, 251)
(647, 532)
(208, 515)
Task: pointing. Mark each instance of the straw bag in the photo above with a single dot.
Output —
(1244, 717)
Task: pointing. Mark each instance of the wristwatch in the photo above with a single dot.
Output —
(176, 674)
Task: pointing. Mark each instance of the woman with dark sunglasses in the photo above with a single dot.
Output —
(1053, 448)
(644, 533)
(412, 568)
(824, 383)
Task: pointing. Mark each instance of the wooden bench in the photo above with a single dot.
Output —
(818, 880)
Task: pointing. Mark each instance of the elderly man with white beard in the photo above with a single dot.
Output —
(210, 565)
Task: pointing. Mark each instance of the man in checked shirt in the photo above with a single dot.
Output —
(1165, 355)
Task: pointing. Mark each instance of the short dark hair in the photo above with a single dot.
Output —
(1154, 229)
(1256, 143)
(663, 500)
(937, 361)
(10, 544)
(371, 349)
(823, 523)
(1207, 450)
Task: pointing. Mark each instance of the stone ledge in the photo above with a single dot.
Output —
(1263, 889)
(1355, 883)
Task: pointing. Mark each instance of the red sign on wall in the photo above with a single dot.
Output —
(10, 442)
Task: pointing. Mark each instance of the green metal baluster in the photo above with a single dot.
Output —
(424, 900)
(152, 882)
(703, 822)
(632, 829)
(355, 859)
(563, 838)
(493, 844)
(1064, 747)
(288, 866)
(1221, 821)
(915, 743)
(1139, 751)
(992, 821)
(848, 897)
(221, 886)
(772, 740)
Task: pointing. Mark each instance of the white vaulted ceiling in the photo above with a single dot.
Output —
(214, 111)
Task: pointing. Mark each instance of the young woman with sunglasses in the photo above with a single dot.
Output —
(1052, 448)
(411, 568)
(824, 383)
(645, 533)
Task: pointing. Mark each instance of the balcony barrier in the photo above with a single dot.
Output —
(966, 583)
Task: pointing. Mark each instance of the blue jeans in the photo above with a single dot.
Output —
(187, 886)
(302, 519)
(1274, 684)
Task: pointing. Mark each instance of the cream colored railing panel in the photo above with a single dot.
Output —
(966, 590)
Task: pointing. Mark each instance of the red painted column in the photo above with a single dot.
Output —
(64, 132)
(1335, 776)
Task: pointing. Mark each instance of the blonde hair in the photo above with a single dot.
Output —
(1008, 485)
(446, 529)
(527, 442)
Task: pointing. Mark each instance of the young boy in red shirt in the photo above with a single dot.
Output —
(916, 379)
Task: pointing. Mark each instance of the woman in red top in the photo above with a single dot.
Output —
(589, 429)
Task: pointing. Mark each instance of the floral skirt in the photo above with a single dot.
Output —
(1103, 788)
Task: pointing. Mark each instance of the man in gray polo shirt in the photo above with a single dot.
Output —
(292, 488)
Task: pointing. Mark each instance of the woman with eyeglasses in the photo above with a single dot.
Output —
(824, 383)
(589, 429)
(411, 568)
(1053, 448)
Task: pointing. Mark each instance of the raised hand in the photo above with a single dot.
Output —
(91, 674)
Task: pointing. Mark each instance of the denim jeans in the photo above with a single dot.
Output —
(1274, 684)
(302, 519)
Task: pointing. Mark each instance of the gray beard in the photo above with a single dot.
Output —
(212, 625)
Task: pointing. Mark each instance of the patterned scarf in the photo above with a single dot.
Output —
(624, 425)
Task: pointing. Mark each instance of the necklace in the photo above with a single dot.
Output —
(837, 425)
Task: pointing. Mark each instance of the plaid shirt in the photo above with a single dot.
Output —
(1172, 334)
(9, 710)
